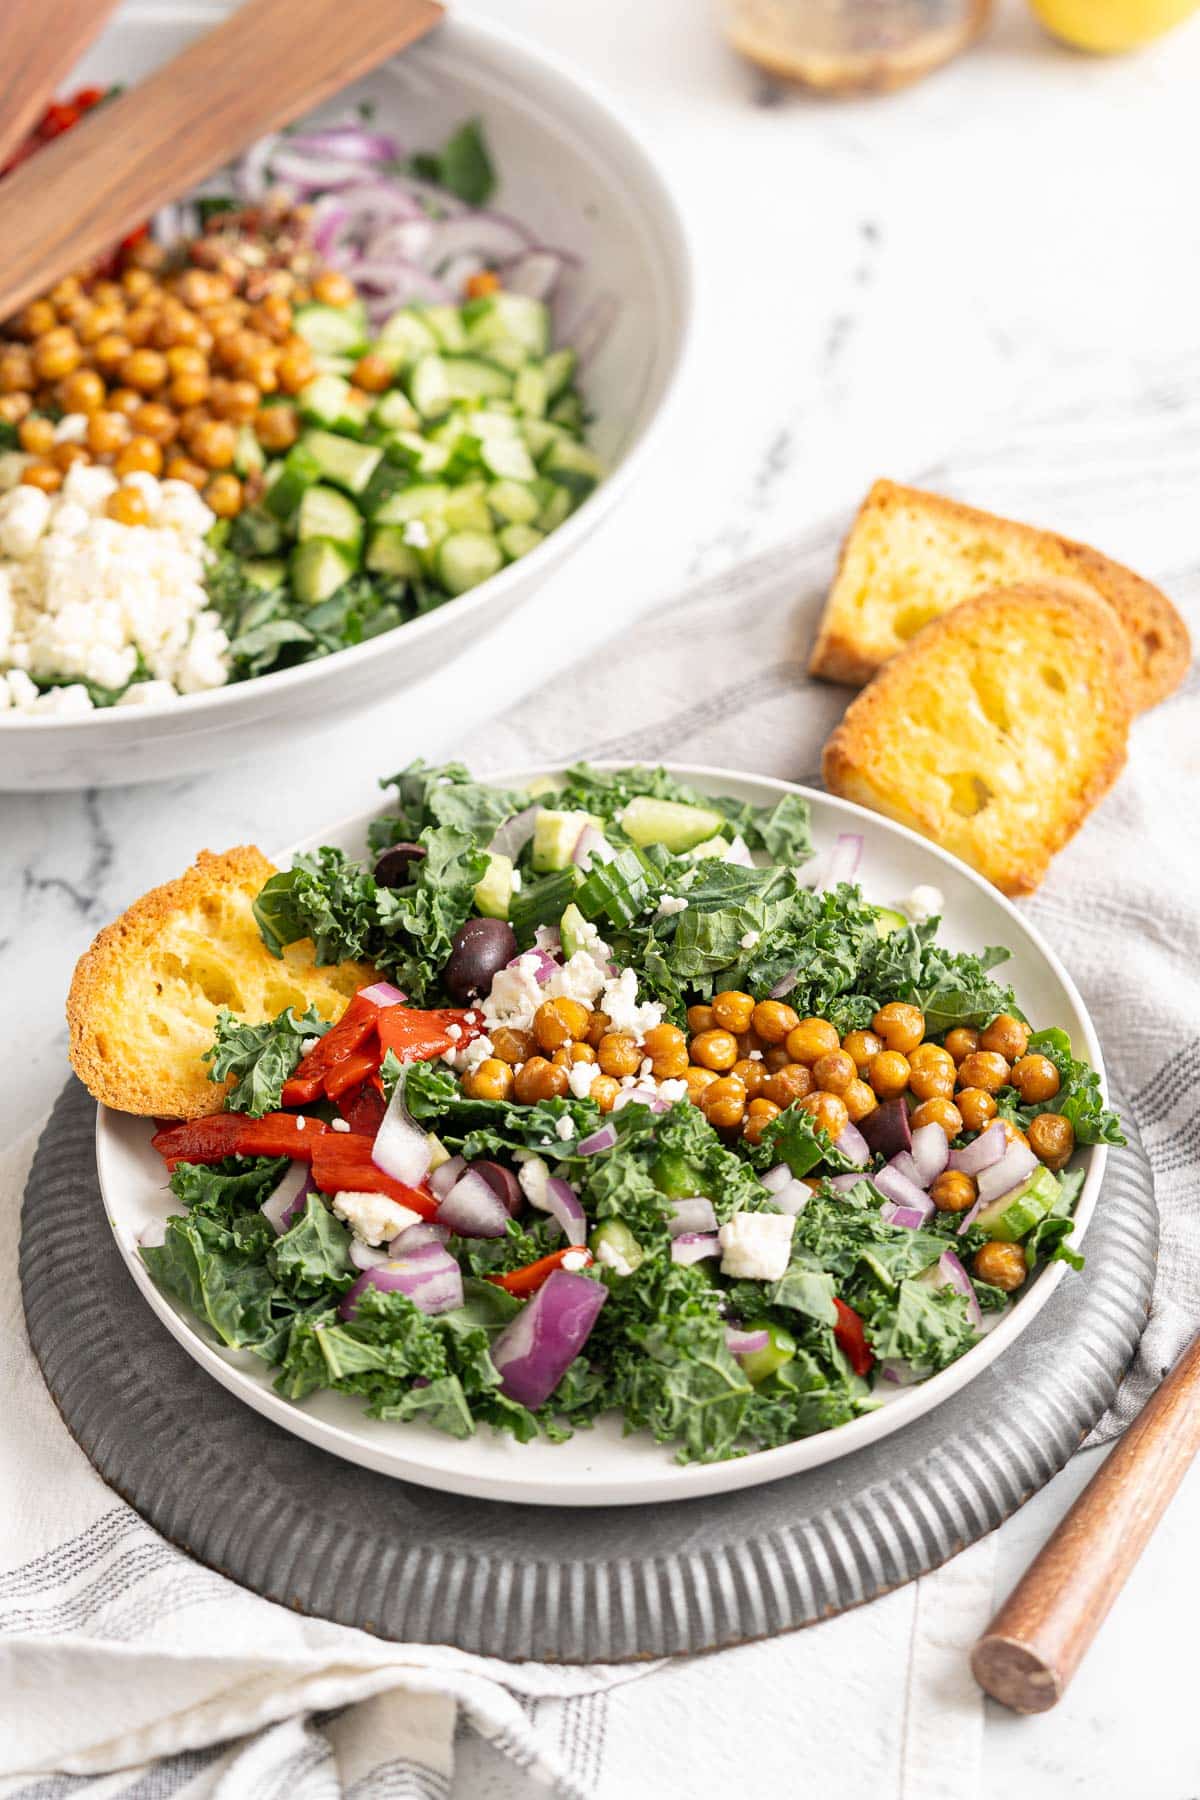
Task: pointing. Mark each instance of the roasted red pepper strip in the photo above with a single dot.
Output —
(851, 1337)
(363, 1111)
(342, 1040)
(220, 1135)
(342, 1159)
(354, 1069)
(523, 1282)
(419, 1036)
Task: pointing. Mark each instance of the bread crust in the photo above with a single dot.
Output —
(849, 652)
(144, 996)
(958, 720)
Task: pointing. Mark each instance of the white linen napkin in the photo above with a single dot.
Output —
(118, 1653)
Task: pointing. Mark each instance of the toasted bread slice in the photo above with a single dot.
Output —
(996, 731)
(910, 556)
(144, 1000)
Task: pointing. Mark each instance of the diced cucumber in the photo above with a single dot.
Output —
(540, 901)
(324, 513)
(555, 835)
(474, 378)
(518, 540)
(513, 502)
(713, 846)
(780, 1349)
(615, 1248)
(429, 387)
(265, 572)
(507, 458)
(559, 370)
(575, 931)
(438, 1153)
(389, 554)
(330, 330)
(573, 466)
(510, 354)
(334, 365)
(531, 393)
(466, 509)
(249, 457)
(494, 891)
(1010, 1216)
(394, 411)
(668, 822)
(318, 568)
(408, 450)
(297, 473)
(414, 502)
(499, 316)
(405, 337)
(541, 437)
(887, 920)
(466, 558)
(331, 402)
(446, 324)
(256, 533)
(567, 411)
(389, 479)
(676, 1177)
(560, 506)
(490, 424)
(347, 464)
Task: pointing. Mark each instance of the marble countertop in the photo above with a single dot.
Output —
(879, 281)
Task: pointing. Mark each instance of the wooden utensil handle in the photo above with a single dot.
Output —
(268, 62)
(1037, 1640)
(39, 44)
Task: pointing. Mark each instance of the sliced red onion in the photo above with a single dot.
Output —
(603, 1139)
(592, 846)
(153, 1234)
(954, 1276)
(987, 1149)
(559, 1199)
(250, 174)
(745, 1343)
(1014, 1167)
(893, 1184)
(347, 140)
(413, 1237)
(445, 1176)
(793, 1198)
(472, 1208)
(777, 1178)
(365, 1256)
(511, 837)
(642, 1096)
(430, 1278)
(503, 1184)
(383, 994)
(307, 174)
(887, 1129)
(899, 1371)
(534, 1351)
(490, 235)
(279, 1206)
(784, 985)
(905, 1163)
(544, 965)
(842, 862)
(398, 284)
(843, 1183)
(535, 273)
(910, 1217)
(853, 1144)
(401, 1148)
(694, 1246)
(696, 1213)
(930, 1152)
(969, 1218)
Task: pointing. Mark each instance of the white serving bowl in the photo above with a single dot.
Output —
(577, 176)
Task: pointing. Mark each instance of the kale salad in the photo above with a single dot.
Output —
(650, 1111)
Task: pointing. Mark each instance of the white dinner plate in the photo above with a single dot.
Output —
(602, 1467)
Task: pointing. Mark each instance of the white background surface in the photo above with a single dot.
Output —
(879, 282)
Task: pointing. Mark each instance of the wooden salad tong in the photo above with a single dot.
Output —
(1034, 1645)
(264, 66)
(40, 43)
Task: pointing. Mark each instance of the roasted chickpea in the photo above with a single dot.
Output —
(953, 1192)
(723, 1103)
(38, 318)
(834, 1071)
(107, 433)
(932, 1081)
(14, 408)
(567, 1055)
(715, 1049)
(538, 1080)
(859, 1100)
(65, 454)
(276, 427)
(175, 325)
(224, 494)
(57, 355)
(511, 1046)
(1013, 1134)
(860, 1047)
(1000, 1265)
(490, 1079)
(619, 1054)
(140, 453)
(666, 1046)
(777, 1058)
(213, 444)
(748, 1042)
(136, 282)
(697, 1080)
(759, 1114)
(332, 288)
(294, 370)
(372, 373)
(189, 390)
(604, 1091)
(732, 1010)
(182, 468)
(1052, 1140)
(598, 1024)
(1007, 1036)
(983, 1069)
(36, 436)
(888, 1073)
(42, 475)
(273, 317)
(185, 359)
(111, 350)
(828, 1111)
(810, 1039)
(128, 507)
(901, 1027)
(83, 392)
(156, 421)
(1035, 1078)
(773, 1020)
(929, 1055)
(938, 1111)
(145, 370)
(751, 1074)
(239, 402)
(558, 1022)
(16, 369)
(977, 1107)
(795, 1081)
(123, 400)
(700, 1018)
(97, 322)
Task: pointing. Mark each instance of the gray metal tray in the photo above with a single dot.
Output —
(606, 1585)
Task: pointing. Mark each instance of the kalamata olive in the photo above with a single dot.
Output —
(394, 868)
(481, 947)
(503, 1184)
(887, 1129)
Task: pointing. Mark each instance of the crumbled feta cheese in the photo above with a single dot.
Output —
(580, 1077)
(924, 903)
(454, 1031)
(647, 1067)
(673, 1090)
(756, 1246)
(149, 693)
(373, 1218)
(620, 1002)
(474, 1053)
(71, 428)
(669, 905)
(563, 1128)
(749, 939)
(533, 1176)
(516, 992)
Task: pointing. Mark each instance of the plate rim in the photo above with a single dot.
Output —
(671, 1482)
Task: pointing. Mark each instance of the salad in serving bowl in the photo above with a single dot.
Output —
(651, 1113)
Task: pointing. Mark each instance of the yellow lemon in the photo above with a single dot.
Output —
(1109, 25)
